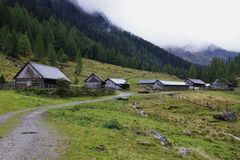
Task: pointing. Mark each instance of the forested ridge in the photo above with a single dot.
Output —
(55, 31)
(51, 28)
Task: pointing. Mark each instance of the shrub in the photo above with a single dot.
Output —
(63, 87)
(2, 79)
(113, 124)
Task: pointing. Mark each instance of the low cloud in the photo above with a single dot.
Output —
(174, 22)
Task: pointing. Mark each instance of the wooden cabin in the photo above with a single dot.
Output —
(219, 85)
(93, 81)
(195, 83)
(113, 83)
(147, 83)
(38, 75)
(170, 85)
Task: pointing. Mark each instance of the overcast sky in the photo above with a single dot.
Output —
(175, 22)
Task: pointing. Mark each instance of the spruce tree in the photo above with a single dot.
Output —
(78, 62)
(24, 45)
(52, 57)
(39, 48)
(62, 57)
(192, 72)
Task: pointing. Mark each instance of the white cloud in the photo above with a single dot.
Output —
(170, 22)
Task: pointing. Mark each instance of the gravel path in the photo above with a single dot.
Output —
(32, 139)
(7, 116)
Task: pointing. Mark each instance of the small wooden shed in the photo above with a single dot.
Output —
(113, 83)
(38, 75)
(219, 85)
(147, 83)
(195, 83)
(93, 81)
(170, 85)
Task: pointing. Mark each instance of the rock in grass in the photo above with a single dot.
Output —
(122, 98)
(145, 143)
(161, 137)
(227, 116)
(183, 151)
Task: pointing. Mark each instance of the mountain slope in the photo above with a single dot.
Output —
(10, 66)
(202, 55)
(138, 53)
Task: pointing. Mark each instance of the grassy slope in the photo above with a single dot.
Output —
(185, 125)
(9, 68)
(13, 101)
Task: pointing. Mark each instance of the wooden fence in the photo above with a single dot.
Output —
(203, 103)
(9, 86)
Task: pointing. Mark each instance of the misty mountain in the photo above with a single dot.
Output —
(121, 47)
(202, 54)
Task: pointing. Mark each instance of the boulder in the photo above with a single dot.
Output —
(161, 137)
(227, 116)
(122, 98)
(183, 151)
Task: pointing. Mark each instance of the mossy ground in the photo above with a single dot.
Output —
(183, 123)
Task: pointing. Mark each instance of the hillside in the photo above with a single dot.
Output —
(10, 66)
(202, 55)
(61, 26)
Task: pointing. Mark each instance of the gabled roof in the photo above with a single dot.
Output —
(173, 83)
(197, 81)
(117, 81)
(147, 81)
(46, 72)
(94, 76)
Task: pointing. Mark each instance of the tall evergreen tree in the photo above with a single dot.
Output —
(39, 48)
(62, 57)
(52, 57)
(79, 64)
(192, 72)
(24, 45)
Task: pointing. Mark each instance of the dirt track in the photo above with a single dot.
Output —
(32, 139)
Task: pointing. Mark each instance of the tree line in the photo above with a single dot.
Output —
(227, 71)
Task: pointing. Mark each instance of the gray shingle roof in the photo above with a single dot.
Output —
(197, 81)
(147, 81)
(119, 81)
(49, 72)
(173, 83)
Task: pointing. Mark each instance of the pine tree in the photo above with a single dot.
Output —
(78, 63)
(39, 48)
(63, 58)
(2, 79)
(52, 57)
(192, 72)
(24, 45)
(76, 81)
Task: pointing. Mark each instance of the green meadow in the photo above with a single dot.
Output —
(114, 130)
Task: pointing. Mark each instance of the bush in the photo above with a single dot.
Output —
(63, 88)
(2, 79)
(113, 124)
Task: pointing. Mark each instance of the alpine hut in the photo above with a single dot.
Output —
(170, 85)
(38, 75)
(93, 81)
(147, 83)
(195, 83)
(219, 85)
(113, 83)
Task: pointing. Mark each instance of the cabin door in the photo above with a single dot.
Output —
(29, 83)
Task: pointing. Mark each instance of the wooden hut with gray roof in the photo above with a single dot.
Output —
(195, 83)
(94, 82)
(163, 85)
(114, 83)
(38, 75)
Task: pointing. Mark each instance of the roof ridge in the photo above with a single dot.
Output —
(42, 64)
